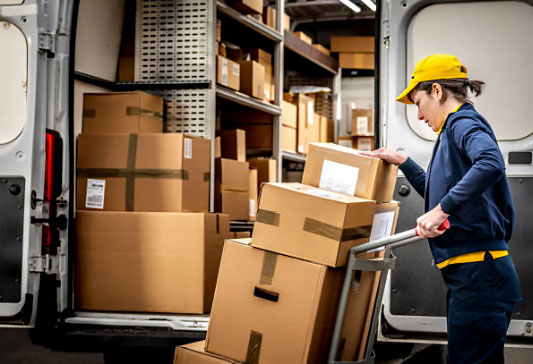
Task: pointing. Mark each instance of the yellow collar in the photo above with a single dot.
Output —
(457, 108)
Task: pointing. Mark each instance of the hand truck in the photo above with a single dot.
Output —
(383, 265)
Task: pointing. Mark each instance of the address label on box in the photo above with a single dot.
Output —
(362, 125)
(339, 177)
(95, 193)
(382, 226)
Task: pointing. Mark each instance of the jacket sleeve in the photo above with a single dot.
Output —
(476, 144)
(415, 175)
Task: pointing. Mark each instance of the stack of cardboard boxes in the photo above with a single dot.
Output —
(277, 294)
(354, 52)
(145, 242)
(362, 137)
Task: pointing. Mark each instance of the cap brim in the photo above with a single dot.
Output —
(404, 96)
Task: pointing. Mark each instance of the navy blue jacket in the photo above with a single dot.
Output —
(466, 176)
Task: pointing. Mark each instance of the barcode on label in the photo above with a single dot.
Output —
(95, 194)
(187, 148)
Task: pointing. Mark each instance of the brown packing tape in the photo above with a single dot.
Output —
(89, 113)
(224, 188)
(136, 111)
(130, 179)
(334, 232)
(137, 173)
(254, 347)
(269, 268)
(267, 217)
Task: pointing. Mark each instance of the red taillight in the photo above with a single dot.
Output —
(52, 187)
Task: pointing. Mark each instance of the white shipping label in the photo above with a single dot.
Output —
(95, 194)
(364, 144)
(310, 113)
(267, 94)
(338, 177)
(225, 72)
(345, 143)
(362, 124)
(300, 148)
(252, 208)
(235, 69)
(382, 226)
(187, 148)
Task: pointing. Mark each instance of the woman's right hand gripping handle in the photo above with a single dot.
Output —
(388, 155)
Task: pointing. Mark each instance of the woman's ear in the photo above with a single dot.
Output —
(436, 90)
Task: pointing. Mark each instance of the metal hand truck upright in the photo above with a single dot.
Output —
(383, 265)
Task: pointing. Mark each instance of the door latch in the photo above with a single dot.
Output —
(47, 264)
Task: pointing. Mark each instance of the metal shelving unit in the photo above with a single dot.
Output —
(245, 100)
(295, 157)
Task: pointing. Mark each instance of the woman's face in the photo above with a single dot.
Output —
(430, 110)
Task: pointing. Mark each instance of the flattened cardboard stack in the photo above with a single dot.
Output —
(145, 242)
(277, 293)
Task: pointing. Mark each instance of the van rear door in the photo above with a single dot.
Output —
(34, 42)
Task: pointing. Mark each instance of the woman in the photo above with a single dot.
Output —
(465, 183)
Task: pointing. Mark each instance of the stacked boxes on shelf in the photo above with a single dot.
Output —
(354, 51)
(277, 293)
(142, 202)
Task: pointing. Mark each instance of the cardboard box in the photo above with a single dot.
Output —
(194, 353)
(147, 261)
(269, 16)
(363, 122)
(288, 139)
(235, 53)
(292, 175)
(257, 125)
(346, 141)
(266, 170)
(228, 73)
(364, 143)
(252, 173)
(233, 144)
(352, 44)
(307, 39)
(306, 107)
(364, 61)
(240, 234)
(232, 188)
(122, 112)
(270, 308)
(218, 151)
(265, 60)
(143, 172)
(219, 31)
(248, 6)
(314, 129)
(286, 22)
(334, 167)
(252, 79)
(326, 129)
(322, 49)
(126, 69)
(310, 223)
(289, 114)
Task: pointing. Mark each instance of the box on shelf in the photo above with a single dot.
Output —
(365, 143)
(252, 79)
(194, 353)
(122, 112)
(252, 173)
(346, 141)
(218, 152)
(311, 223)
(228, 73)
(322, 49)
(143, 172)
(289, 114)
(221, 49)
(232, 188)
(269, 16)
(248, 6)
(352, 44)
(265, 60)
(126, 69)
(364, 61)
(306, 121)
(363, 122)
(266, 170)
(240, 234)
(270, 308)
(337, 168)
(307, 39)
(326, 129)
(288, 139)
(257, 125)
(232, 144)
(124, 260)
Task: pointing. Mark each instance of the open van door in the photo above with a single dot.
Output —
(34, 130)
(493, 40)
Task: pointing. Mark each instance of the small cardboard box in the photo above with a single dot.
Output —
(321, 48)
(288, 139)
(147, 261)
(307, 39)
(270, 308)
(364, 143)
(364, 61)
(122, 112)
(233, 144)
(266, 170)
(363, 122)
(228, 73)
(289, 114)
(252, 172)
(346, 141)
(269, 16)
(265, 60)
(143, 172)
(232, 188)
(248, 6)
(252, 79)
(310, 223)
(257, 125)
(326, 129)
(337, 168)
(194, 353)
(352, 44)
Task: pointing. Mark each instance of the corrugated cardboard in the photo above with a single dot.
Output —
(252, 79)
(364, 143)
(122, 112)
(240, 234)
(147, 261)
(218, 152)
(267, 169)
(321, 48)
(309, 223)
(194, 353)
(286, 22)
(252, 172)
(364, 61)
(248, 6)
(326, 129)
(232, 188)
(342, 169)
(228, 73)
(145, 172)
(288, 139)
(346, 141)
(272, 309)
(269, 16)
(304, 37)
(289, 114)
(363, 122)
(233, 144)
(352, 44)
(265, 59)
(305, 121)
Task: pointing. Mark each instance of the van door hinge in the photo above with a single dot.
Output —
(44, 264)
(47, 43)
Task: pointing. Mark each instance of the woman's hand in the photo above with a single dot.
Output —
(427, 225)
(388, 155)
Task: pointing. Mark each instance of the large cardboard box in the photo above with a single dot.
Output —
(265, 59)
(364, 61)
(363, 122)
(147, 261)
(309, 223)
(248, 6)
(232, 188)
(228, 73)
(252, 173)
(233, 144)
(272, 309)
(194, 353)
(267, 170)
(143, 172)
(351, 44)
(122, 112)
(337, 168)
(252, 79)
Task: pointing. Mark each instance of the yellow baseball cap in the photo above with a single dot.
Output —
(434, 67)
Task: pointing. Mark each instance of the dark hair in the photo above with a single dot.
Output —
(457, 86)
